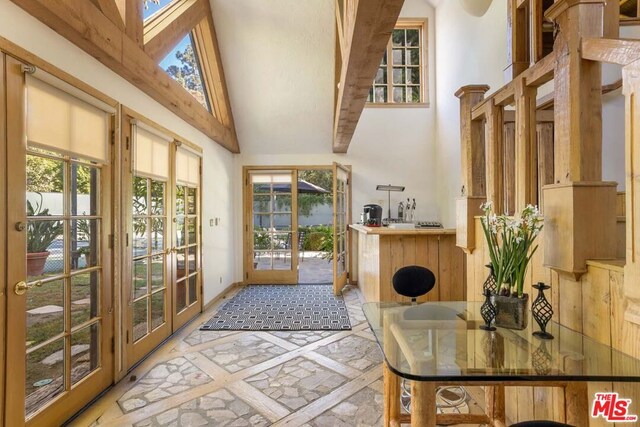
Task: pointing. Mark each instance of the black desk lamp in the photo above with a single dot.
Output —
(389, 188)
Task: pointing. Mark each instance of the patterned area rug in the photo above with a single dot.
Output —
(310, 307)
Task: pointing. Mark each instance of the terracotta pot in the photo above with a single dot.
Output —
(512, 312)
(35, 263)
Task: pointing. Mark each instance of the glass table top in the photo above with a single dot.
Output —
(442, 341)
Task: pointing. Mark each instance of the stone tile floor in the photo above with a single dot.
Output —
(214, 378)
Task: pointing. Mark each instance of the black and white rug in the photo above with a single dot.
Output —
(310, 307)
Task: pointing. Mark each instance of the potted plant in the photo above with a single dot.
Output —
(40, 235)
(510, 242)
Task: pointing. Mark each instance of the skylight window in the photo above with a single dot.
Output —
(151, 7)
(183, 65)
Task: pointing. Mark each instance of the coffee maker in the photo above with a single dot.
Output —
(372, 216)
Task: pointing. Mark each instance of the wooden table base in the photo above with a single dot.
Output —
(423, 402)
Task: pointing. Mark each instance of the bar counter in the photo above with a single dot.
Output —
(380, 251)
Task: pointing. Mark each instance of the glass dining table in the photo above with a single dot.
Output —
(440, 343)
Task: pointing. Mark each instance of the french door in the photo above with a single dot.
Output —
(341, 221)
(163, 256)
(187, 298)
(59, 293)
(271, 227)
(147, 256)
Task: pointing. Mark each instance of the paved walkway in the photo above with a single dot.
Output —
(313, 268)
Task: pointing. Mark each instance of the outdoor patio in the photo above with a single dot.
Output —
(312, 267)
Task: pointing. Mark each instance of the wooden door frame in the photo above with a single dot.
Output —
(131, 354)
(341, 281)
(246, 242)
(16, 212)
(15, 395)
(189, 313)
(128, 357)
(3, 234)
(247, 239)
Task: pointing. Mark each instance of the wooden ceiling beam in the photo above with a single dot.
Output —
(134, 20)
(164, 31)
(82, 23)
(110, 9)
(367, 26)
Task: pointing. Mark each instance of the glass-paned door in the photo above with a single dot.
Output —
(60, 322)
(271, 228)
(341, 219)
(186, 237)
(149, 266)
(147, 258)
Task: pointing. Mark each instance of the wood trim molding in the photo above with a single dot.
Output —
(83, 24)
(368, 26)
(206, 42)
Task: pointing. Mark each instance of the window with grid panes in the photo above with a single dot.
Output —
(401, 76)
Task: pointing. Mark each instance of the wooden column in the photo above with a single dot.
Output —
(509, 172)
(517, 40)
(494, 155)
(580, 217)
(544, 132)
(472, 150)
(525, 143)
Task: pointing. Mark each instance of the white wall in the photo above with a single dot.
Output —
(219, 245)
(469, 50)
(279, 64)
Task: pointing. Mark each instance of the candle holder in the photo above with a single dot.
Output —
(542, 312)
(490, 283)
(488, 312)
(541, 359)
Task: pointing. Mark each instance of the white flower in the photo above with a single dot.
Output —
(486, 206)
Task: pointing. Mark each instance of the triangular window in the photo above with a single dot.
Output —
(183, 65)
(151, 7)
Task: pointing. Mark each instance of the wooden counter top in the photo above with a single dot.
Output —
(380, 252)
(385, 231)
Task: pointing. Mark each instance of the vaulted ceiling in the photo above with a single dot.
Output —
(117, 34)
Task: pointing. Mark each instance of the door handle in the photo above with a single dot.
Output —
(21, 287)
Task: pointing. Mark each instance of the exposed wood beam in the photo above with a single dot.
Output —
(339, 28)
(615, 51)
(163, 32)
(368, 27)
(111, 11)
(133, 20)
(84, 25)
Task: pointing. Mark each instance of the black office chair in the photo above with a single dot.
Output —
(413, 281)
(540, 424)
